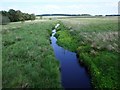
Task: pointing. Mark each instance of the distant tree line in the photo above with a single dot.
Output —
(113, 15)
(15, 15)
(64, 15)
(73, 15)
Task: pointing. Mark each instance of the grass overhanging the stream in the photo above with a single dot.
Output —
(96, 43)
(64, 36)
(28, 59)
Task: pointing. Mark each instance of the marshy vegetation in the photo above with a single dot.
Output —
(96, 42)
(28, 59)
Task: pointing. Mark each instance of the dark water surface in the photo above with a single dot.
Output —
(73, 75)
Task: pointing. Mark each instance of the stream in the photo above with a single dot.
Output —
(73, 75)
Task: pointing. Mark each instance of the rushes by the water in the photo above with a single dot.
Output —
(97, 48)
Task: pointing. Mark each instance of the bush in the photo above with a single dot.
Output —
(15, 15)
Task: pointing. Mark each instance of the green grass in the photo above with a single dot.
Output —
(103, 66)
(28, 58)
(66, 40)
(97, 47)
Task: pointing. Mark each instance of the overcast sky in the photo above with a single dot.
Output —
(62, 6)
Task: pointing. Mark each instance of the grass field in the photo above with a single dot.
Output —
(96, 42)
(28, 59)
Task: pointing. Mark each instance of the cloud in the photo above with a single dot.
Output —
(62, 6)
(59, 1)
(76, 9)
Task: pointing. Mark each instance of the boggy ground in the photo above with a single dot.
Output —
(28, 60)
(96, 42)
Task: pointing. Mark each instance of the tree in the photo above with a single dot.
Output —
(32, 17)
(4, 13)
(12, 15)
(16, 15)
(19, 16)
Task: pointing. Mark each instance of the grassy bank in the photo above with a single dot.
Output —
(70, 42)
(28, 58)
(96, 40)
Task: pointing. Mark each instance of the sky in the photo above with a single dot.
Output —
(93, 7)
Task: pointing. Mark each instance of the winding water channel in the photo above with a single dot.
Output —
(73, 75)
